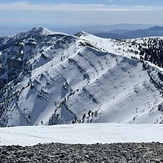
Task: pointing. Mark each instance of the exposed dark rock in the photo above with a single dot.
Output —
(1, 71)
(16, 64)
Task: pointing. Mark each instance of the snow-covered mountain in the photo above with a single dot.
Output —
(55, 78)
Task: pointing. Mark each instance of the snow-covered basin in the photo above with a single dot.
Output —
(81, 133)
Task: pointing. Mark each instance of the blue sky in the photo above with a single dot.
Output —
(83, 12)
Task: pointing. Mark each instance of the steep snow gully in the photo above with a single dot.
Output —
(54, 78)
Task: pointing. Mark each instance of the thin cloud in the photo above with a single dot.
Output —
(110, 1)
(74, 7)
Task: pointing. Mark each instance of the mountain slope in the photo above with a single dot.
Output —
(54, 78)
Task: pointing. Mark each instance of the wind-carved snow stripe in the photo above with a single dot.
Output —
(89, 62)
(159, 83)
(58, 118)
(41, 94)
(8, 96)
(26, 117)
(83, 71)
(90, 96)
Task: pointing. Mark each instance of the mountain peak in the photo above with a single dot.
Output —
(40, 30)
(81, 33)
(36, 31)
(156, 28)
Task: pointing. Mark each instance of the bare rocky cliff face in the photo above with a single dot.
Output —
(54, 78)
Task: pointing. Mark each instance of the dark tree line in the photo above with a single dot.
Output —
(153, 51)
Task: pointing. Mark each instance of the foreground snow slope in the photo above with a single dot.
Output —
(81, 133)
(54, 78)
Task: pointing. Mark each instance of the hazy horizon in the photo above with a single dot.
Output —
(11, 30)
(73, 14)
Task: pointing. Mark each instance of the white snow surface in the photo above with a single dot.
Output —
(82, 134)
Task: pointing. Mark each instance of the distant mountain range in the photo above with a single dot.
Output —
(116, 28)
(127, 34)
